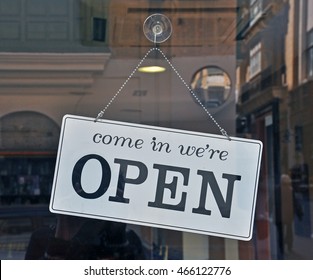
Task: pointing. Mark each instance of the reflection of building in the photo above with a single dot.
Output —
(29, 142)
(299, 128)
(261, 80)
(274, 105)
(71, 56)
(212, 86)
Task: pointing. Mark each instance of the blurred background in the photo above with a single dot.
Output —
(250, 63)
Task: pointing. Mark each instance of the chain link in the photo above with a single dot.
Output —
(101, 113)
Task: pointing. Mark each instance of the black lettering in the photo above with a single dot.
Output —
(162, 185)
(77, 173)
(189, 151)
(211, 151)
(223, 205)
(199, 152)
(138, 143)
(122, 180)
(109, 139)
(159, 146)
(223, 155)
(122, 141)
(97, 135)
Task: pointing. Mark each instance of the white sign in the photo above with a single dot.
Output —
(155, 176)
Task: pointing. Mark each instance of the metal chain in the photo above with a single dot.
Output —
(101, 113)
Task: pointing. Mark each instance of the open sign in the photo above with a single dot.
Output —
(156, 176)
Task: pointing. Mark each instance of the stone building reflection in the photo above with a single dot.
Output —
(274, 81)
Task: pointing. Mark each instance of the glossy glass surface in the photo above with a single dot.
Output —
(250, 62)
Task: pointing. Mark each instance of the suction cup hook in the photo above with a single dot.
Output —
(157, 28)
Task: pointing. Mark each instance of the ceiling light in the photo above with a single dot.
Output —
(151, 69)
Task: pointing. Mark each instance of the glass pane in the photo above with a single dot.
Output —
(246, 61)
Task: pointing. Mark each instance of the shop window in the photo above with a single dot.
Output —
(255, 10)
(28, 146)
(255, 60)
(99, 28)
(28, 143)
(212, 86)
(25, 179)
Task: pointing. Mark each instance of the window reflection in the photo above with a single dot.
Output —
(310, 54)
(25, 180)
(70, 56)
(255, 10)
(212, 86)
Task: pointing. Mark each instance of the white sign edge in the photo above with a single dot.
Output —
(144, 223)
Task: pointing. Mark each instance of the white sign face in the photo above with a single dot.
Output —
(156, 176)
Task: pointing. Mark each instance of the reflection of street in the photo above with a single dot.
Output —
(296, 213)
(17, 223)
(302, 220)
(302, 243)
(13, 246)
(301, 196)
